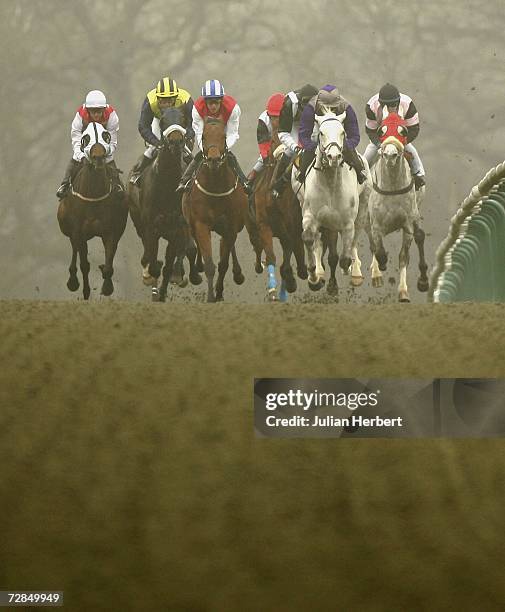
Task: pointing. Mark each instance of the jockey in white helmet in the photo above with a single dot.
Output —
(95, 109)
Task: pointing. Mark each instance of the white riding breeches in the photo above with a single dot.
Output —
(416, 165)
(155, 127)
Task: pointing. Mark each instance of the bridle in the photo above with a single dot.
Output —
(215, 162)
(324, 150)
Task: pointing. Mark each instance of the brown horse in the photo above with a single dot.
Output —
(155, 209)
(282, 219)
(216, 202)
(92, 208)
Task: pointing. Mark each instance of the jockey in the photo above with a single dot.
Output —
(289, 123)
(268, 122)
(329, 98)
(390, 98)
(96, 109)
(166, 94)
(215, 103)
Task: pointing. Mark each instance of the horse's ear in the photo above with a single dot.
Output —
(85, 141)
(106, 137)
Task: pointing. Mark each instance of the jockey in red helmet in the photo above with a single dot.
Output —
(215, 103)
(268, 122)
(95, 109)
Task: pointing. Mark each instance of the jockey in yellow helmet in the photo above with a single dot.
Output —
(166, 94)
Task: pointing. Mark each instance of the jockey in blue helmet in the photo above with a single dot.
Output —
(214, 102)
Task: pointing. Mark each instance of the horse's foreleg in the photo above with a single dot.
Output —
(254, 233)
(318, 254)
(267, 244)
(287, 274)
(110, 246)
(193, 255)
(83, 258)
(225, 247)
(377, 280)
(422, 282)
(347, 241)
(166, 272)
(403, 262)
(309, 235)
(73, 281)
(332, 262)
(378, 249)
(238, 277)
(201, 232)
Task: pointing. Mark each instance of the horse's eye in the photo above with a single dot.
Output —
(106, 137)
(85, 142)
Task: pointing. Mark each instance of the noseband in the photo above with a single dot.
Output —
(215, 161)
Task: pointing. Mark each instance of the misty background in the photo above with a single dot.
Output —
(448, 57)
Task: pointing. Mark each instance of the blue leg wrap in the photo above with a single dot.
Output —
(272, 282)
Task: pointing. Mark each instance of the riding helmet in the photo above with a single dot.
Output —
(389, 95)
(167, 88)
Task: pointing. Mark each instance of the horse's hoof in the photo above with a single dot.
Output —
(86, 293)
(356, 281)
(423, 285)
(219, 299)
(332, 288)
(272, 296)
(155, 296)
(377, 282)
(239, 278)
(183, 282)
(403, 297)
(211, 299)
(147, 280)
(302, 273)
(107, 287)
(317, 286)
(195, 279)
(73, 283)
(258, 268)
(290, 283)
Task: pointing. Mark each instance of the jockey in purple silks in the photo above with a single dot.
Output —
(329, 99)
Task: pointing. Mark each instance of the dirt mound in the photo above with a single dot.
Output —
(131, 477)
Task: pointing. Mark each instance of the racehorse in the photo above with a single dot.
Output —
(332, 203)
(92, 208)
(393, 205)
(156, 212)
(282, 219)
(217, 202)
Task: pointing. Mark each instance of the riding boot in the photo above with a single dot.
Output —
(70, 173)
(282, 177)
(117, 185)
(419, 178)
(139, 167)
(353, 159)
(307, 158)
(240, 173)
(187, 177)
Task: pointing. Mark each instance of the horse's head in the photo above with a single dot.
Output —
(331, 137)
(214, 143)
(95, 144)
(172, 128)
(393, 137)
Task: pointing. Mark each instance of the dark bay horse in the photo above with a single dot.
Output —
(282, 219)
(216, 202)
(156, 212)
(92, 208)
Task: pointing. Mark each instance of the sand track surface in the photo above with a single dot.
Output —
(131, 477)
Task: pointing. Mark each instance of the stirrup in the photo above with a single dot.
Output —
(62, 190)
